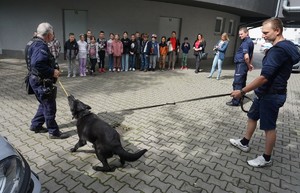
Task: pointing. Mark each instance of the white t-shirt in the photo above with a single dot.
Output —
(82, 47)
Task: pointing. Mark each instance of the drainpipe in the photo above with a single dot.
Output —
(278, 8)
(290, 9)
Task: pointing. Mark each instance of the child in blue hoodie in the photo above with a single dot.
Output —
(153, 52)
(185, 47)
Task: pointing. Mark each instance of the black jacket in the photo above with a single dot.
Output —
(126, 45)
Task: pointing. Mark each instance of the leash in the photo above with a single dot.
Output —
(63, 88)
(242, 103)
(174, 103)
(188, 100)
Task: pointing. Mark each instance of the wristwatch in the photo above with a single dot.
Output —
(242, 92)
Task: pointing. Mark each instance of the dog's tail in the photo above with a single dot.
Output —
(130, 157)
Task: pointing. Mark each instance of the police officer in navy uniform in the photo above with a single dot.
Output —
(42, 76)
(243, 63)
(270, 88)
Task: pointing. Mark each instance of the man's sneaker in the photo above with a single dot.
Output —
(259, 162)
(237, 143)
(230, 103)
(133, 69)
(69, 75)
(60, 135)
(40, 129)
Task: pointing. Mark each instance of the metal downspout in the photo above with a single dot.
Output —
(278, 8)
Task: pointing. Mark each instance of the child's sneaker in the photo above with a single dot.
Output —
(130, 69)
(69, 75)
(109, 70)
(114, 69)
(181, 68)
(259, 162)
(119, 70)
(81, 74)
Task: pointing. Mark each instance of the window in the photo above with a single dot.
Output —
(219, 25)
(231, 27)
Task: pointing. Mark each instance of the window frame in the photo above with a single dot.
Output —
(221, 27)
(231, 28)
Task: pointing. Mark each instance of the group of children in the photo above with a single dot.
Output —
(124, 54)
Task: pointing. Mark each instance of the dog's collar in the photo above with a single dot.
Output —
(82, 114)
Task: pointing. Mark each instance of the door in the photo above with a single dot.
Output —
(169, 24)
(75, 21)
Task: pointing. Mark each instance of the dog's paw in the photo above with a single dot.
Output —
(102, 169)
(73, 149)
(122, 161)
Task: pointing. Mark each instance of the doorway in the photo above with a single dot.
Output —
(169, 24)
(74, 21)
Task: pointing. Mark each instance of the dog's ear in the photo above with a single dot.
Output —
(80, 106)
(88, 107)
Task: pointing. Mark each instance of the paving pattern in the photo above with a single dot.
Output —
(188, 143)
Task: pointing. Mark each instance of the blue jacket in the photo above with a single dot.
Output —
(222, 50)
(40, 59)
(246, 47)
(277, 67)
(152, 48)
(185, 49)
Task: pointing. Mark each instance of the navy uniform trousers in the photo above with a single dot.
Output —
(240, 78)
(46, 110)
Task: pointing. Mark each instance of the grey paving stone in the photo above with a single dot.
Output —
(126, 188)
(145, 188)
(116, 185)
(161, 185)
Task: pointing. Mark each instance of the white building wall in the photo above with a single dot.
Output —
(19, 19)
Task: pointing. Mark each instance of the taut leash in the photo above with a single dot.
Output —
(189, 100)
(174, 103)
(63, 88)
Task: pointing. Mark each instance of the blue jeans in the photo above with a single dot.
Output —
(46, 110)
(240, 78)
(144, 62)
(132, 61)
(110, 61)
(152, 63)
(214, 65)
(266, 108)
(125, 62)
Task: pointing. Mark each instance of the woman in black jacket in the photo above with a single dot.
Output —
(199, 48)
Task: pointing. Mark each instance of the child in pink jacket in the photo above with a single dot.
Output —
(117, 50)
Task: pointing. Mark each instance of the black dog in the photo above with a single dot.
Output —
(105, 139)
